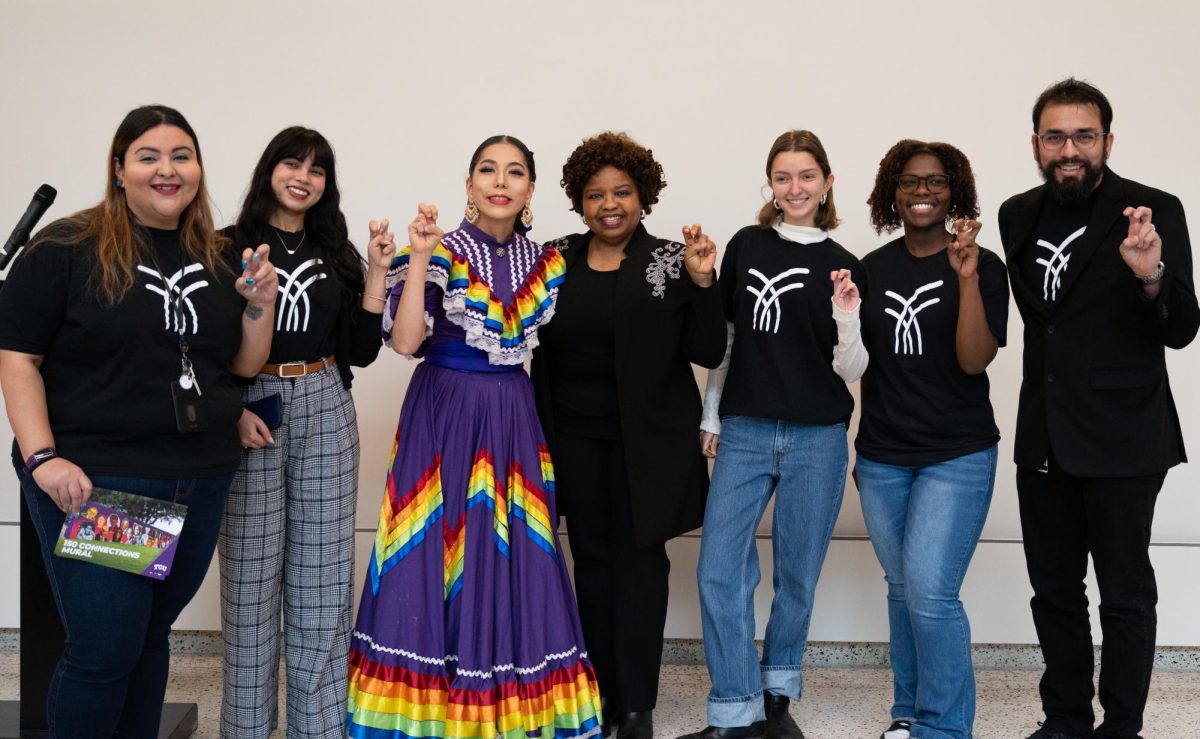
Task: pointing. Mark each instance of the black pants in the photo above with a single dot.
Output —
(621, 587)
(1063, 519)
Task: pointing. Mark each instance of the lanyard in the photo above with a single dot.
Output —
(187, 373)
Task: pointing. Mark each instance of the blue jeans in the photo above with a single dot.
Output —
(805, 467)
(924, 523)
(112, 676)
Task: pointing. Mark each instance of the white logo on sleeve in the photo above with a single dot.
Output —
(294, 306)
(766, 299)
(172, 288)
(1056, 264)
(906, 318)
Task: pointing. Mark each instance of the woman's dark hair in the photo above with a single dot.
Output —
(964, 202)
(525, 152)
(826, 217)
(613, 149)
(1073, 92)
(120, 240)
(324, 223)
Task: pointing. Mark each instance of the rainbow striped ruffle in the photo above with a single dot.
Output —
(558, 701)
(508, 333)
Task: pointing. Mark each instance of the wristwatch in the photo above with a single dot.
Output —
(1153, 277)
(38, 458)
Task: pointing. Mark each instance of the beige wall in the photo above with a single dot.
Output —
(406, 90)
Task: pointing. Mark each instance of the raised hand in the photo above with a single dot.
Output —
(382, 246)
(1142, 248)
(423, 232)
(699, 255)
(258, 283)
(845, 292)
(963, 252)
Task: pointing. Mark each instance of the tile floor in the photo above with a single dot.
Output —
(840, 702)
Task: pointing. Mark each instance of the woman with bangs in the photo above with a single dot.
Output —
(926, 446)
(467, 626)
(287, 541)
(121, 330)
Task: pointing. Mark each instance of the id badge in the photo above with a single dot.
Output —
(190, 414)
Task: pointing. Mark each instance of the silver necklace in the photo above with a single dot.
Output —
(291, 252)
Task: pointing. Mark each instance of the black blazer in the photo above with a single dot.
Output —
(664, 322)
(1095, 385)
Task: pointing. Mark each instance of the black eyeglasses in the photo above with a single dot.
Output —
(1083, 139)
(933, 183)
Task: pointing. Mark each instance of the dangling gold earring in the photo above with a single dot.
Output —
(471, 211)
(527, 217)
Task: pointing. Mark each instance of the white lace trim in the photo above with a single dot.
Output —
(485, 674)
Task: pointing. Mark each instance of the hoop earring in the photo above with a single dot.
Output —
(775, 202)
(823, 196)
(527, 216)
(893, 207)
(471, 211)
(643, 216)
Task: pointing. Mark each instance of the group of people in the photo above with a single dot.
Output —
(144, 351)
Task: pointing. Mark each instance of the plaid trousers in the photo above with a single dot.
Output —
(287, 552)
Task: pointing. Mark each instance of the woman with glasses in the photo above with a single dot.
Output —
(927, 439)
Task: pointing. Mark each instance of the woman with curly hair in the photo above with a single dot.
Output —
(620, 409)
(927, 439)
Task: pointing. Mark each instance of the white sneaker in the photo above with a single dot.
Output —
(898, 730)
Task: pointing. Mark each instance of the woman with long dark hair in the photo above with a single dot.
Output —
(287, 541)
(121, 329)
(467, 625)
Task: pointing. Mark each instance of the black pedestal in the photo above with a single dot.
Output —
(179, 721)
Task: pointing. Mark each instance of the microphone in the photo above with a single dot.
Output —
(42, 200)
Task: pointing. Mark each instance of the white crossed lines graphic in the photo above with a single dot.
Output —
(291, 293)
(766, 300)
(1056, 264)
(170, 286)
(906, 318)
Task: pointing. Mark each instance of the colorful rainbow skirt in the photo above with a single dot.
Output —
(468, 625)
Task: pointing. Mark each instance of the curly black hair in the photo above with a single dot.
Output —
(619, 150)
(964, 202)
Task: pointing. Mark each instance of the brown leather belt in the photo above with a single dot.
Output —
(296, 369)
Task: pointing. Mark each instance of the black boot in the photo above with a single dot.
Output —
(635, 725)
(780, 724)
(756, 730)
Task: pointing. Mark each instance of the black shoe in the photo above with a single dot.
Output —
(898, 730)
(635, 725)
(1045, 732)
(756, 730)
(780, 724)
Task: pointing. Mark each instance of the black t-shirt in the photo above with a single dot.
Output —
(580, 347)
(309, 299)
(777, 293)
(1047, 259)
(918, 406)
(108, 370)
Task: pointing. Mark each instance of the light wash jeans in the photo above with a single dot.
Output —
(805, 468)
(924, 523)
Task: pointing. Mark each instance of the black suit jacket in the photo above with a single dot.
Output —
(664, 322)
(1095, 386)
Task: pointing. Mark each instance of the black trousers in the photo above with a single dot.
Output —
(621, 587)
(1063, 519)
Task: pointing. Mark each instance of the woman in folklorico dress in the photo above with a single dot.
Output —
(467, 626)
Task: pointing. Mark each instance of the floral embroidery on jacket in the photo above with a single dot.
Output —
(667, 260)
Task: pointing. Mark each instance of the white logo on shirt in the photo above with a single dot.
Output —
(906, 318)
(1055, 264)
(294, 306)
(766, 300)
(172, 290)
